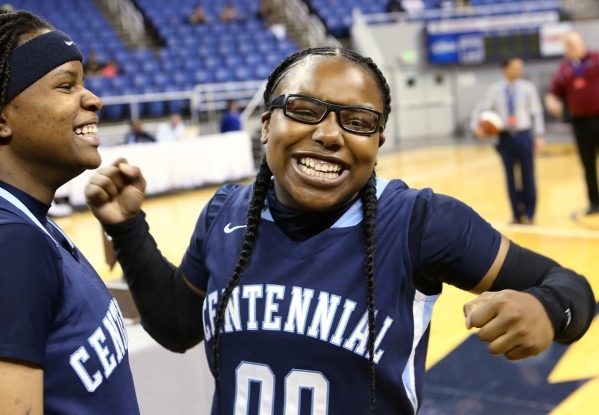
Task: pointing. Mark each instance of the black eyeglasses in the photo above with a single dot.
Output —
(310, 110)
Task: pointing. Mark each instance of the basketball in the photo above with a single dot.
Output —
(490, 122)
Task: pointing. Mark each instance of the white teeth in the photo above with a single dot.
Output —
(319, 168)
(87, 129)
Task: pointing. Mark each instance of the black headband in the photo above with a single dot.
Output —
(36, 57)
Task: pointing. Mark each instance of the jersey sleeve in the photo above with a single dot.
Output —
(456, 246)
(30, 292)
(193, 265)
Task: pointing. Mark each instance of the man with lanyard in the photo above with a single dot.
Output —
(518, 103)
(576, 84)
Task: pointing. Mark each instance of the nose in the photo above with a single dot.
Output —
(90, 101)
(328, 133)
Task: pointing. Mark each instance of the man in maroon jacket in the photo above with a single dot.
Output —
(576, 84)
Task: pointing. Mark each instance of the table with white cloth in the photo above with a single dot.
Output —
(184, 164)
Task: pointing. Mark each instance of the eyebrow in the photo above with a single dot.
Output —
(66, 72)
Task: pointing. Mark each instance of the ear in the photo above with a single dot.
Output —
(5, 130)
(382, 139)
(265, 127)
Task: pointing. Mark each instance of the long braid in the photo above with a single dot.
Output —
(13, 25)
(369, 206)
(262, 184)
(260, 190)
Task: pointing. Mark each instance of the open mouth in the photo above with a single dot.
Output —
(90, 130)
(320, 168)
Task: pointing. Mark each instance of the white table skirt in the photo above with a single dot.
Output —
(184, 164)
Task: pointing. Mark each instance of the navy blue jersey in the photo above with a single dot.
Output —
(57, 313)
(295, 332)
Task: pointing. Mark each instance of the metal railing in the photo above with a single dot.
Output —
(131, 18)
(432, 14)
(206, 99)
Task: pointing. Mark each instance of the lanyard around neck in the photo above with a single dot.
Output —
(510, 94)
(19, 205)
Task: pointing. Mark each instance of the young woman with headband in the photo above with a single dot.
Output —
(315, 286)
(63, 346)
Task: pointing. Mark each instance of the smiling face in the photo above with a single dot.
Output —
(321, 167)
(48, 132)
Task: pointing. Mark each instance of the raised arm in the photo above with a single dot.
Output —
(170, 307)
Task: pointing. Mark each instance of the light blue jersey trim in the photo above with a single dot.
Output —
(355, 214)
(352, 217)
(17, 203)
(422, 311)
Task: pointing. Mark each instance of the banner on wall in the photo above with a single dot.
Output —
(551, 38)
(476, 40)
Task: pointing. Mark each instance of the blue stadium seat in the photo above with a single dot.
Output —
(243, 74)
(223, 75)
(262, 71)
(202, 76)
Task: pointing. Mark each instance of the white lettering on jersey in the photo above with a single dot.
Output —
(110, 325)
(106, 358)
(207, 333)
(251, 292)
(359, 336)
(348, 308)
(232, 312)
(115, 311)
(246, 374)
(77, 359)
(113, 322)
(304, 380)
(212, 302)
(324, 315)
(298, 313)
(379, 338)
(298, 309)
(271, 307)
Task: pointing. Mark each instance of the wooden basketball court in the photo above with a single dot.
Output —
(565, 380)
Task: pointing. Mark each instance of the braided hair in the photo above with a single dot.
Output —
(13, 25)
(263, 183)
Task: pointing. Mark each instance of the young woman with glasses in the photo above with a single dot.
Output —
(315, 285)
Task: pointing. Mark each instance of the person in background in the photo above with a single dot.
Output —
(92, 66)
(575, 85)
(170, 130)
(229, 14)
(137, 134)
(278, 29)
(394, 6)
(111, 69)
(231, 119)
(264, 11)
(518, 103)
(198, 15)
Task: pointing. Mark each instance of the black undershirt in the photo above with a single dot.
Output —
(300, 225)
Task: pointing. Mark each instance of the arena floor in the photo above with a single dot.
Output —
(463, 378)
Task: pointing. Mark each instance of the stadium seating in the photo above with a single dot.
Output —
(206, 53)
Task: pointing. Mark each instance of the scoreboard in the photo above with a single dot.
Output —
(483, 39)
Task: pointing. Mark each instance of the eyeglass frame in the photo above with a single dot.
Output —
(329, 108)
